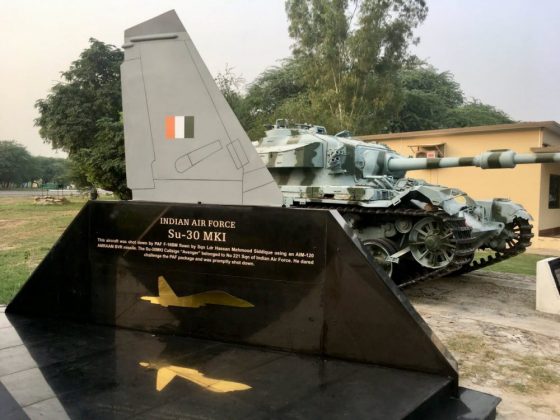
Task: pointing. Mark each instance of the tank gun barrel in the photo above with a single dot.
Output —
(488, 160)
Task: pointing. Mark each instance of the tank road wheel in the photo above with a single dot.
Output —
(432, 243)
(380, 249)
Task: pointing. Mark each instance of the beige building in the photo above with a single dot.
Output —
(536, 187)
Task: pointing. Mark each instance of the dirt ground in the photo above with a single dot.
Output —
(502, 344)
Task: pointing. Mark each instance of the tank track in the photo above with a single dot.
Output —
(525, 235)
(464, 250)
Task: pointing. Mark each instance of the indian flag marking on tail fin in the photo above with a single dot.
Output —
(179, 127)
(169, 128)
(189, 127)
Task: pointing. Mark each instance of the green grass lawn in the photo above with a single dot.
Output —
(522, 264)
(28, 231)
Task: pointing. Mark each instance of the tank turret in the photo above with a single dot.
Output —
(415, 230)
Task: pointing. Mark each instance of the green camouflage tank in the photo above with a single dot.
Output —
(413, 229)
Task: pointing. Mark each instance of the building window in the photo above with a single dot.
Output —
(554, 192)
(428, 150)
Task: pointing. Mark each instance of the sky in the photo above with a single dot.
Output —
(502, 52)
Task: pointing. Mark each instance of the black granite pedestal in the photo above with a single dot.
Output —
(171, 311)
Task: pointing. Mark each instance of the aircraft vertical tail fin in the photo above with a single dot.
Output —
(165, 290)
(164, 376)
(183, 141)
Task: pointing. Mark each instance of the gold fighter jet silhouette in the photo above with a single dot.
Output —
(166, 373)
(167, 297)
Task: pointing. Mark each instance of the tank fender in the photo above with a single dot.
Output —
(432, 193)
(503, 210)
(451, 200)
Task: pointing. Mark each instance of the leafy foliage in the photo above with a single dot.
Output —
(52, 170)
(434, 100)
(427, 98)
(343, 72)
(103, 165)
(77, 114)
(16, 164)
(229, 84)
(350, 69)
(476, 113)
(17, 167)
(350, 52)
(279, 92)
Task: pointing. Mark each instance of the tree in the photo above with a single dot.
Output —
(274, 86)
(52, 170)
(104, 164)
(76, 114)
(230, 84)
(475, 113)
(434, 100)
(427, 97)
(350, 52)
(278, 92)
(16, 164)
